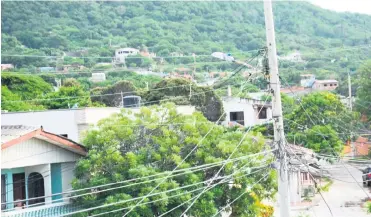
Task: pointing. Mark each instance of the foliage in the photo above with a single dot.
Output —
(178, 91)
(155, 140)
(7, 96)
(110, 96)
(26, 86)
(67, 96)
(322, 108)
(321, 139)
(368, 206)
(363, 101)
(96, 29)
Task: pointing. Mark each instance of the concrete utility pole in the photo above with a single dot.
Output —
(350, 92)
(279, 134)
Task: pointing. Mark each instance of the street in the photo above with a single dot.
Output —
(343, 190)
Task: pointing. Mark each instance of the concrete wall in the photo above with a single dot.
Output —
(248, 107)
(295, 187)
(56, 121)
(35, 152)
(67, 177)
(44, 170)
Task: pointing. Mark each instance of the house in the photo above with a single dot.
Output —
(122, 53)
(292, 57)
(6, 67)
(36, 166)
(307, 80)
(47, 69)
(98, 77)
(360, 147)
(73, 67)
(246, 112)
(70, 123)
(325, 85)
(302, 178)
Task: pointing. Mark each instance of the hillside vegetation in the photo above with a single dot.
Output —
(48, 28)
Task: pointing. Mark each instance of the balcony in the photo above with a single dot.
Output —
(50, 210)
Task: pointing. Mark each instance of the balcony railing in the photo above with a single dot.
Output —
(51, 210)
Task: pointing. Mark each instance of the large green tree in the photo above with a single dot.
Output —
(363, 101)
(155, 140)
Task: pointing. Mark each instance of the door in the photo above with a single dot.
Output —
(3, 192)
(19, 187)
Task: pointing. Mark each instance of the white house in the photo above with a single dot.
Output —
(98, 77)
(122, 53)
(70, 123)
(245, 112)
(36, 167)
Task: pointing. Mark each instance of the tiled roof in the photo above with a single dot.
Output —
(10, 132)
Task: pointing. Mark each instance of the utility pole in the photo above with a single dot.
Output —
(350, 92)
(279, 134)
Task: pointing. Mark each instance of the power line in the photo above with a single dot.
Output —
(216, 175)
(243, 193)
(223, 181)
(141, 197)
(183, 171)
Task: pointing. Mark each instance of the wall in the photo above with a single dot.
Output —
(44, 170)
(294, 187)
(56, 121)
(34, 152)
(67, 177)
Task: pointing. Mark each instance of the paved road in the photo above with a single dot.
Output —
(340, 192)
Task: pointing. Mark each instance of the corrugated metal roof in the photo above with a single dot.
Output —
(326, 81)
(10, 132)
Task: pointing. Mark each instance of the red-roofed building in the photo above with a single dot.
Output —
(31, 164)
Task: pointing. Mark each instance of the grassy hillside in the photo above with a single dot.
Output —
(51, 28)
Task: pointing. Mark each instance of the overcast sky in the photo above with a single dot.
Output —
(359, 6)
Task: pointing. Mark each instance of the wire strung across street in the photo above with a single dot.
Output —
(214, 185)
(137, 198)
(177, 173)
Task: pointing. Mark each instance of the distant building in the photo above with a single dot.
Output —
(246, 112)
(47, 69)
(325, 85)
(122, 53)
(292, 57)
(6, 67)
(307, 80)
(98, 77)
(73, 67)
(75, 121)
(36, 164)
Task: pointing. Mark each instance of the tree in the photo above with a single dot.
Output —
(155, 140)
(178, 91)
(6, 102)
(321, 139)
(69, 95)
(363, 101)
(111, 95)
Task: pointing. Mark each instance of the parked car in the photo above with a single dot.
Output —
(366, 176)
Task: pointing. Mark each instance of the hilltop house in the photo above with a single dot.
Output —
(6, 67)
(122, 53)
(36, 167)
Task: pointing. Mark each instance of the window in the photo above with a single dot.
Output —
(325, 85)
(263, 112)
(335, 85)
(64, 135)
(330, 85)
(237, 117)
